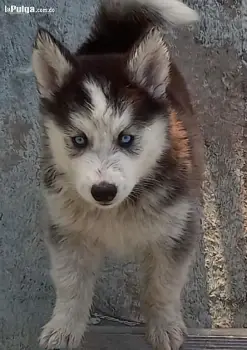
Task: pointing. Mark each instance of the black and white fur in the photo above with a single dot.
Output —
(121, 81)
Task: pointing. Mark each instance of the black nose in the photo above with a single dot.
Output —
(104, 192)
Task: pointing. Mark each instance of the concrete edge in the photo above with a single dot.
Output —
(140, 330)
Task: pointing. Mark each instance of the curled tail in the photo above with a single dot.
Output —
(119, 23)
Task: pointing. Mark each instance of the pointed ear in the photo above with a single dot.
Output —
(149, 64)
(51, 63)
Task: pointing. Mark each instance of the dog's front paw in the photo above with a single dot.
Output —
(166, 334)
(59, 334)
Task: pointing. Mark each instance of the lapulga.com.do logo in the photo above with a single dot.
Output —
(27, 9)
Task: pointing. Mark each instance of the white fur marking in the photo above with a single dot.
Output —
(97, 96)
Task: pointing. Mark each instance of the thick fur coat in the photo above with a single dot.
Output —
(122, 165)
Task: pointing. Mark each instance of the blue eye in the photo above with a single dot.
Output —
(125, 141)
(80, 141)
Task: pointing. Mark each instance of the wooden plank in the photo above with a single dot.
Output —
(132, 338)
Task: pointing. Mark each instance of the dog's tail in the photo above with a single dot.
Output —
(119, 23)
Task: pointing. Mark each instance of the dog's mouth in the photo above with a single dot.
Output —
(105, 205)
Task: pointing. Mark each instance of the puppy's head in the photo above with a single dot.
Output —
(106, 117)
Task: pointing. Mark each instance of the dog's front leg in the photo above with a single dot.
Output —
(164, 277)
(73, 271)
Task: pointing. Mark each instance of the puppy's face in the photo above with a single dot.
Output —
(105, 117)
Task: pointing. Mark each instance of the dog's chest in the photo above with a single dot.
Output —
(120, 231)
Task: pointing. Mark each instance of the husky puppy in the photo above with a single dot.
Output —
(122, 165)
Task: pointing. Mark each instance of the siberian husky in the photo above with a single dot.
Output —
(122, 165)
